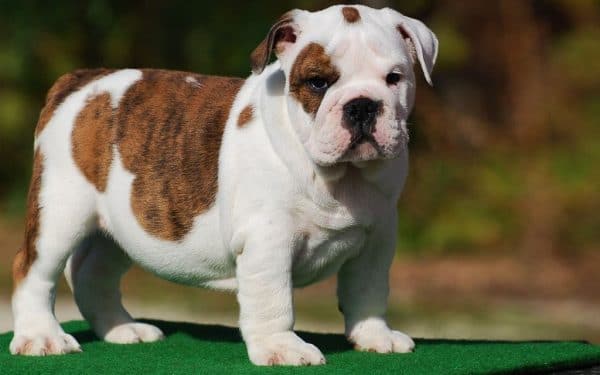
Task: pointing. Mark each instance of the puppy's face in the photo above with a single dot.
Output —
(350, 82)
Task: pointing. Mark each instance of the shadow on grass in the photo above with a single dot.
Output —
(327, 342)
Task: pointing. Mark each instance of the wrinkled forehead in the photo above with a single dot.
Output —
(353, 36)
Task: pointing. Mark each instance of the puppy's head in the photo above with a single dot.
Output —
(350, 81)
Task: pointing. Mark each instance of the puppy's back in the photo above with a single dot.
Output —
(165, 127)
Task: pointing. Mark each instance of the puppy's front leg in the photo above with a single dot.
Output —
(265, 297)
(363, 289)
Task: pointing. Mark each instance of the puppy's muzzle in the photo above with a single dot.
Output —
(360, 116)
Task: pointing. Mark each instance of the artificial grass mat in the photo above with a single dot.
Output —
(208, 349)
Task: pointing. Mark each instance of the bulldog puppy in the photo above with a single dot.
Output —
(254, 186)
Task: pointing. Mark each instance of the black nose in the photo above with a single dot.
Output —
(360, 113)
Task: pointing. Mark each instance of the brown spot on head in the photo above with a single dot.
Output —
(351, 14)
(63, 87)
(28, 253)
(312, 62)
(91, 140)
(245, 116)
(169, 134)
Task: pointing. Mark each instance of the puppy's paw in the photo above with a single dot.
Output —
(44, 344)
(132, 333)
(376, 336)
(284, 348)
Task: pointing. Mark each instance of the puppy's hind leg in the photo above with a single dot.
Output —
(60, 212)
(94, 273)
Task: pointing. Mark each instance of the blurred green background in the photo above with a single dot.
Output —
(499, 223)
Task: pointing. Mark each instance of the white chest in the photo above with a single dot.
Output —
(321, 252)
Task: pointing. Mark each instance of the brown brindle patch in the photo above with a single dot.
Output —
(311, 62)
(169, 135)
(245, 116)
(91, 140)
(351, 14)
(63, 87)
(27, 254)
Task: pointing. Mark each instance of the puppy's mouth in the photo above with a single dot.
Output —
(361, 138)
(364, 146)
(364, 141)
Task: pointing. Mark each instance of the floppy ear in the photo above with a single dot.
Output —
(282, 34)
(421, 41)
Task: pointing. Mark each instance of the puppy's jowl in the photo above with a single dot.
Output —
(255, 186)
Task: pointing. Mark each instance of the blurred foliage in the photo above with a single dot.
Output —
(504, 150)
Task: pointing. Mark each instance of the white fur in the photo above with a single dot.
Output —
(192, 81)
(280, 218)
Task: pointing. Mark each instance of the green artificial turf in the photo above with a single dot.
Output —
(203, 349)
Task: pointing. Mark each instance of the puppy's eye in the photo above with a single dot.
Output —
(393, 78)
(317, 84)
